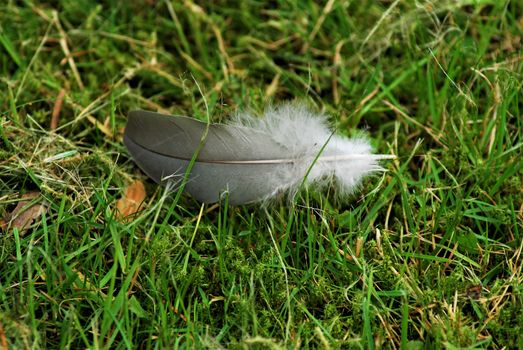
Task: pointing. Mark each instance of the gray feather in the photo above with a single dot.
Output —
(252, 160)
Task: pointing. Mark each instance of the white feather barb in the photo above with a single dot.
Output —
(305, 134)
(252, 158)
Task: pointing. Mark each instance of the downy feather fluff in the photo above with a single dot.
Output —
(252, 158)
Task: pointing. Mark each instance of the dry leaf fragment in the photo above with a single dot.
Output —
(57, 109)
(24, 214)
(3, 339)
(133, 197)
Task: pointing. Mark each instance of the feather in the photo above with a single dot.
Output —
(252, 159)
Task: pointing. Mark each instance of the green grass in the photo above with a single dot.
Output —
(398, 265)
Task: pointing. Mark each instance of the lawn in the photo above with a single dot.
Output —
(425, 255)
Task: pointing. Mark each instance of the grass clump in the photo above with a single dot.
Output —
(427, 255)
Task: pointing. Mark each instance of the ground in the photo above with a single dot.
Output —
(425, 255)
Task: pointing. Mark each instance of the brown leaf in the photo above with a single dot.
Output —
(24, 214)
(57, 109)
(3, 339)
(133, 197)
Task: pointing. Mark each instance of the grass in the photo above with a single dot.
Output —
(429, 255)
